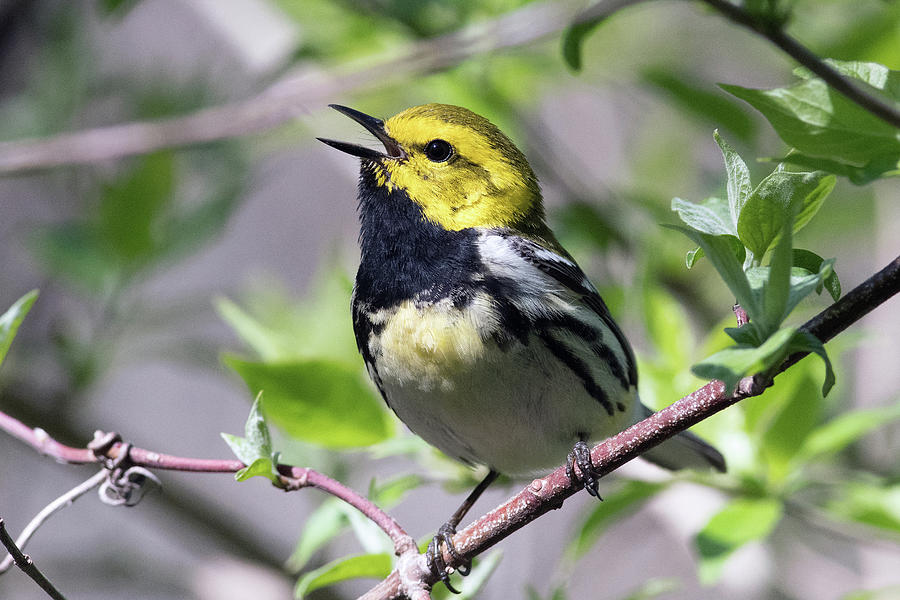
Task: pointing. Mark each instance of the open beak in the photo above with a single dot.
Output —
(375, 126)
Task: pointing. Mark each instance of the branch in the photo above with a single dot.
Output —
(543, 494)
(294, 478)
(548, 493)
(775, 34)
(27, 565)
(291, 96)
(57, 505)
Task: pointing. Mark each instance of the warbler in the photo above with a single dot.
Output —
(480, 331)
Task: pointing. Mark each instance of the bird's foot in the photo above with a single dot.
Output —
(435, 557)
(581, 456)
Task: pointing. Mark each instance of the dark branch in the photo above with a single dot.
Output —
(27, 565)
(775, 34)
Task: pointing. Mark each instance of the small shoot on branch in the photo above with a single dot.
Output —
(255, 448)
(756, 225)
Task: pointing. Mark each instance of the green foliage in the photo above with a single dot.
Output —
(736, 237)
(319, 401)
(369, 566)
(627, 499)
(846, 429)
(741, 521)
(255, 448)
(141, 221)
(308, 366)
(828, 131)
(471, 586)
(12, 319)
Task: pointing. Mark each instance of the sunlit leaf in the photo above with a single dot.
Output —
(319, 401)
(819, 121)
(732, 364)
(720, 249)
(781, 196)
(741, 521)
(255, 448)
(738, 184)
(712, 216)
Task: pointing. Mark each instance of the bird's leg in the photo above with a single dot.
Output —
(581, 456)
(445, 533)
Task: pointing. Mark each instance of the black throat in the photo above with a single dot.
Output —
(406, 256)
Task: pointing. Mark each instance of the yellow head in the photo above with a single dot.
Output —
(457, 166)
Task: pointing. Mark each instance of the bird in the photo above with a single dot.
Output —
(478, 328)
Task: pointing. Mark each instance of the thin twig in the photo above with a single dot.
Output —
(776, 34)
(27, 565)
(298, 477)
(48, 511)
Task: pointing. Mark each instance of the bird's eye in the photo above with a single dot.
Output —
(438, 150)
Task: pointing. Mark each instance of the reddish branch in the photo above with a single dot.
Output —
(294, 478)
(543, 494)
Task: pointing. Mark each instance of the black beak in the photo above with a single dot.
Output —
(376, 127)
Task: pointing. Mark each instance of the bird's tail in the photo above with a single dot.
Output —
(684, 451)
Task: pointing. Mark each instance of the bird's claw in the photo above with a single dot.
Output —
(435, 557)
(581, 456)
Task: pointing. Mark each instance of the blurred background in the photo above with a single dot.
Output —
(169, 278)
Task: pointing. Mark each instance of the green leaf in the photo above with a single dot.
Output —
(471, 586)
(794, 419)
(255, 448)
(807, 342)
(388, 493)
(891, 592)
(874, 504)
(711, 216)
(845, 429)
(12, 319)
(573, 40)
(692, 256)
(886, 166)
(654, 588)
(778, 197)
(778, 287)
(871, 73)
(732, 364)
(812, 262)
(130, 207)
(738, 185)
(818, 121)
(319, 401)
(720, 249)
(624, 501)
(741, 521)
(802, 284)
(691, 97)
(369, 566)
(323, 525)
